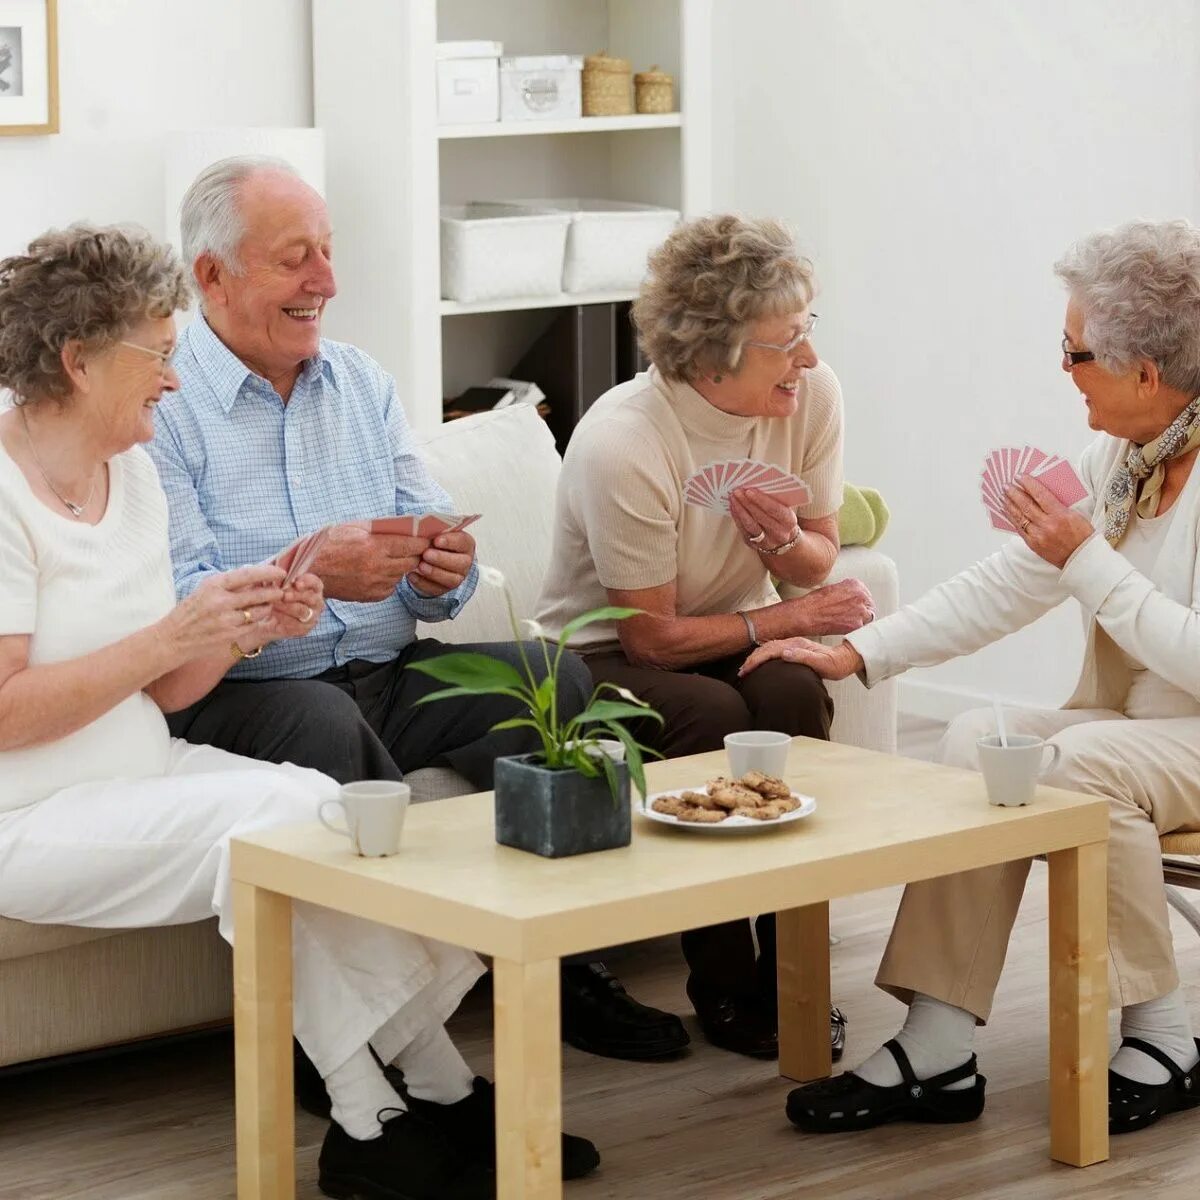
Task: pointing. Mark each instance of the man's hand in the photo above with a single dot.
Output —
(357, 565)
(837, 608)
(444, 565)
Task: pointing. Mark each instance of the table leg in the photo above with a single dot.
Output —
(802, 937)
(1079, 1005)
(528, 1043)
(262, 1005)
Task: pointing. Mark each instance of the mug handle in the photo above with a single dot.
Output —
(1055, 755)
(327, 822)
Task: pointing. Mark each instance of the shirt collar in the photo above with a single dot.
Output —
(227, 375)
(698, 415)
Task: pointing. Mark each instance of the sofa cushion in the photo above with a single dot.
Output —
(501, 464)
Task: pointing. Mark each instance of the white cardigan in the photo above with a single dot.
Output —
(1154, 620)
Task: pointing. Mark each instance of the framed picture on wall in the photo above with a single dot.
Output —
(28, 67)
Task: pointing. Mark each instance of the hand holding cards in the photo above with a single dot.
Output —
(712, 485)
(1004, 466)
(302, 553)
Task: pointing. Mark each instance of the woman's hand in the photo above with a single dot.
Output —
(299, 609)
(234, 606)
(829, 662)
(764, 521)
(1047, 526)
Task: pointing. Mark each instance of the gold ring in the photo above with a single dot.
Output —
(1025, 525)
(308, 615)
(247, 617)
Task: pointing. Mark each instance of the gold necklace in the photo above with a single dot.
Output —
(76, 510)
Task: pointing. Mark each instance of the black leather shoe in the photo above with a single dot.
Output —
(599, 1016)
(743, 1024)
(412, 1160)
(470, 1126)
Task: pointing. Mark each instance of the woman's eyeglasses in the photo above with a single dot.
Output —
(796, 342)
(164, 356)
(1072, 358)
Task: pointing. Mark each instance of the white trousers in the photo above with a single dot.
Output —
(951, 933)
(132, 853)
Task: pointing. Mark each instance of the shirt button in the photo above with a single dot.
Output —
(296, 481)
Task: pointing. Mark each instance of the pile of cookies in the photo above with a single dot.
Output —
(755, 795)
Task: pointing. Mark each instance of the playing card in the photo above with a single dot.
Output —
(422, 525)
(1003, 466)
(300, 555)
(1060, 479)
(710, 487)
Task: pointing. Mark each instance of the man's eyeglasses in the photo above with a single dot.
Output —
(164, 357)
(1072, 358)
(798, 340)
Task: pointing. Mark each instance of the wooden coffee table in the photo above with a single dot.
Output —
(880, 821)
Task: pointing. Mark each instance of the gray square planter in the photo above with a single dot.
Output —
(557, 813)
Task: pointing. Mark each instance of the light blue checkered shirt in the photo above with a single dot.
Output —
(245, 475)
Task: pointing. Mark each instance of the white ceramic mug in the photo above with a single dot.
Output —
(757, 749)
(374, 812)
(1012, 772)
(610, 746)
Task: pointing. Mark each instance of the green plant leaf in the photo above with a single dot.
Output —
(633, 755)
(544, 695)
(614, 779)
(608, 613)
(611, 710)
(480, 672)
(451, 693)
(517, 723)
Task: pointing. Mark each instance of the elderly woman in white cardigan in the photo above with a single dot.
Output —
(1131, 732)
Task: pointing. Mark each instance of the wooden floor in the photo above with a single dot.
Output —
(708, 1127)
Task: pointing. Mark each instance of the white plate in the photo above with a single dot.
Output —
(808, 805)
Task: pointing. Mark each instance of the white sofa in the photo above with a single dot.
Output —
(64, 990)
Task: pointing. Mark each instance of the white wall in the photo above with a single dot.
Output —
(129, 71)
(935, 158)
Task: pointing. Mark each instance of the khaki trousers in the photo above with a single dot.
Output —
(951, 934)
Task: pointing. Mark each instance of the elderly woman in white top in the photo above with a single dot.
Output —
(1131, 732)
(105, 821)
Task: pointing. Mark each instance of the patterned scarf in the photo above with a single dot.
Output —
(1141, 479)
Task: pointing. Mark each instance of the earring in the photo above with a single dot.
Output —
(718, 378)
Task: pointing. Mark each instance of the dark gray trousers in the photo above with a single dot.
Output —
(362, 720)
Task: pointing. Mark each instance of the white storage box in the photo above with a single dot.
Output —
(468, 82)
(608, 242)
(541, 87)
(495, 251)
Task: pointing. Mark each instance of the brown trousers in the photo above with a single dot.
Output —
(951, 933)
(699, 706)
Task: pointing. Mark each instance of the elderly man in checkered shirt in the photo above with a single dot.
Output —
(274, 432)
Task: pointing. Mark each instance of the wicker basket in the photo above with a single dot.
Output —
(655, 91)
(607, 86)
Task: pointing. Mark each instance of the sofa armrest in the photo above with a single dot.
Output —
(863, 718)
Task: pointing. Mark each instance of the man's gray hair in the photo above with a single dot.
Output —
(1139, 288)
(210, 218)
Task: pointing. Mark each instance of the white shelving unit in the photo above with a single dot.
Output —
(390, 166)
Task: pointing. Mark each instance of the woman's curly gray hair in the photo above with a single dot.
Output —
(709, 283)
(1139, 288)
(88, 284)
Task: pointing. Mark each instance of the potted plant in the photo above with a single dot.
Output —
(571, 796)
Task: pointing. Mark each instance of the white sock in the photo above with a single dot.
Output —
(434, 1069)
(936, 1037)
(358, 1091)
(1165, 1024)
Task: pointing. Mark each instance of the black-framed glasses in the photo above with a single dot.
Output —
(798, 340)
(1072, 358)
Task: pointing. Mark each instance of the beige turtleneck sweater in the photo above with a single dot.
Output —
(620, 517)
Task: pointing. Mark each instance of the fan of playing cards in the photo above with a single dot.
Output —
(1003, 466)
(302, 553)
(711, 486)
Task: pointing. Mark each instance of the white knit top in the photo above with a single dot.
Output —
(620, 519)
(75, 588)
